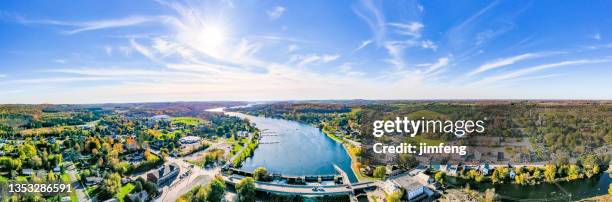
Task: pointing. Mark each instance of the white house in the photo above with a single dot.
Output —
(414, 190)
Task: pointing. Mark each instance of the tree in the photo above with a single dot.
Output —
(380, 171)
(111, 184)
(572, 172)
(479, 177)
(406, 161)
(440, 177)
(495, 177)
(596, 169)
(522, 178)
(537, 173)
(216, 190)
(472, 174)
(549, 172)
(246, 189)
(150, 187)
(396, 196)
(137, 186)
(201, 194)
(260, 174)
(490, 195)
(51, 176)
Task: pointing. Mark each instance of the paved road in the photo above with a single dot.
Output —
(197, 176)
(295, 189)
(78, 187)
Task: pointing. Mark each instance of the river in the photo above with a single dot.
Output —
(579, 189)
(292, 148)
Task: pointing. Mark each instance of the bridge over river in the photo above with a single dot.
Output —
(304, 190)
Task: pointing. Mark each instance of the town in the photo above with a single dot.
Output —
(194, 151)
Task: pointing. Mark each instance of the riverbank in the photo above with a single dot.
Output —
(574, 190)
(350, 150)
(598, 198)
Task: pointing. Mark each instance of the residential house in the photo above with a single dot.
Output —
(93, 180)
(164, 175)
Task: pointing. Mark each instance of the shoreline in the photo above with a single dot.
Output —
(354, 161)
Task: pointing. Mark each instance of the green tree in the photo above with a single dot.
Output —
(111, 184)
(246, 189)
(522, 179)
(549, 172)
(260, 174)
(495, 177)
(137, 186)
(537, 173)
(472, 174)
(201, 194)
(479, 177)
(407, 161)
(216, 190)
(573, 172)
(396, 196)
(596, 169)
(380, 171)
(51, 176)
(440, 177)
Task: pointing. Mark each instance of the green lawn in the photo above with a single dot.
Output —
(3, 179)
(124, 191)
(190, 121)
(21, 179)
(73, 196)
(66, 178)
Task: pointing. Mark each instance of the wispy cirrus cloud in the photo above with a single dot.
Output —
(276, 12)
(436, 67)
(362, 45)
(597, 36)
(301, 60)
(83, 26)
(409, 29)
(499, 63)
(349, 70)
(533, 69)
(369, 12)
(62, 79)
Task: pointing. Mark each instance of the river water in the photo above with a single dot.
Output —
(292, 148)
(563, 191)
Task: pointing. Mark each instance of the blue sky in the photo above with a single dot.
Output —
(137, 51)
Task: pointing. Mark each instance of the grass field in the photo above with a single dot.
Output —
(190, 121)
(3, 179)
(124, 191)
(43, 131)
(66, 178)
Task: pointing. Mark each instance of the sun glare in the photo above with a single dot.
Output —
(213, 35)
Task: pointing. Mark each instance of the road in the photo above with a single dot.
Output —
(295, 189)
(78, 187)
(197, 176)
